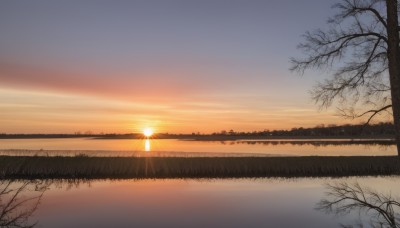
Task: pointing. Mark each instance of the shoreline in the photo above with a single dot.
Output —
(207, 137)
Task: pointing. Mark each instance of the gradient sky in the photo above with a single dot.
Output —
(174, 65)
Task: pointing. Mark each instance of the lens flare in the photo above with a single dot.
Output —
(147, 132)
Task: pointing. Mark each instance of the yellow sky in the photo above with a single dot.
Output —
(50, 112)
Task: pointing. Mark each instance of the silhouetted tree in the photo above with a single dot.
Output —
(343, 198)
(363, 40)
(16, 208)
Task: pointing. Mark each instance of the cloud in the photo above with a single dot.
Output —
(152, 85)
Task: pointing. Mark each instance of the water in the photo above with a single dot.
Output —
(201, 203)
(172, 147)
(261, 202)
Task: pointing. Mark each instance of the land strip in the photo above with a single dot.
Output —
(37, 167)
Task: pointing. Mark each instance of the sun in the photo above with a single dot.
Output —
(148, 132)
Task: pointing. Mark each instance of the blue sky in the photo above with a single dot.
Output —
(177, 66)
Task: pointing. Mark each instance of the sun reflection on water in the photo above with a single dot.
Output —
(147, 147)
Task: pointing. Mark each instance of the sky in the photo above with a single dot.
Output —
(177, 66)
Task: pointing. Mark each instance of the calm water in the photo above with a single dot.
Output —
(283, 203)
(185, 203)
(170, 147)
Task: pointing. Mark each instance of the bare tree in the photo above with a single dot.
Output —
(16, 208)
(360, 48)
(343, 198)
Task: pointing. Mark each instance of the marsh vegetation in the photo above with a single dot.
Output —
(195, 167)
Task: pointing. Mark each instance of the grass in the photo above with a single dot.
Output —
(194, 167)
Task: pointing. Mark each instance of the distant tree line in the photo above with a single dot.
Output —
(380, 129)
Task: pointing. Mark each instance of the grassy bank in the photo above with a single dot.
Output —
(202, 167)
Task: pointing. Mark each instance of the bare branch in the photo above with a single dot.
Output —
(354, 50)
(374, 112)
(352, 8)
(342, 198)
(15, 208)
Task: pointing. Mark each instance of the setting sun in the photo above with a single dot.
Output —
(148, 132)
(185, 113)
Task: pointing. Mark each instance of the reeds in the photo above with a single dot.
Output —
(194, 167)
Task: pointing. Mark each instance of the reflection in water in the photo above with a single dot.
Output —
(18, 201)
(170, 147)
(343, 198)
(192, 203)
(318, 143)
(147, 145)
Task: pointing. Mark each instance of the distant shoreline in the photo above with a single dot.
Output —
(197, 137)
(360, 131)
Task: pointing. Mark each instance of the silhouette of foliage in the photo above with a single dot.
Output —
(18, 202)
(360, 48)
(343, 198)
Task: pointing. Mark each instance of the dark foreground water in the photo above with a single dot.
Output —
(183, 202)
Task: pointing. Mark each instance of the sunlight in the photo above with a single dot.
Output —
(148, 132)
(147, 145)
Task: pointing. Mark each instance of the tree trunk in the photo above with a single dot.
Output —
(394, 64)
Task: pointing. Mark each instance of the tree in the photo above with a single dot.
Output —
(17, 207)
(360, 48)
(343, 198)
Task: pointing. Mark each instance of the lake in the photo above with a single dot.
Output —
(173, 147)
(283, 203)
(241, 202)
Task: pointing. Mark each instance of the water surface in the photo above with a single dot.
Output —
(190, 202)
(172, 147)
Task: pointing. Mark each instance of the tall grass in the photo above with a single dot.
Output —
(194, 167)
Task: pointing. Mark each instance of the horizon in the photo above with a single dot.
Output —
(199, 113)
(173, 66)
(222, 131)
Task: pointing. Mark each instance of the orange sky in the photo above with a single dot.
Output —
(47, 112)
(202, 66)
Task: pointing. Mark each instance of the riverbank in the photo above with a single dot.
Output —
(194, 167)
